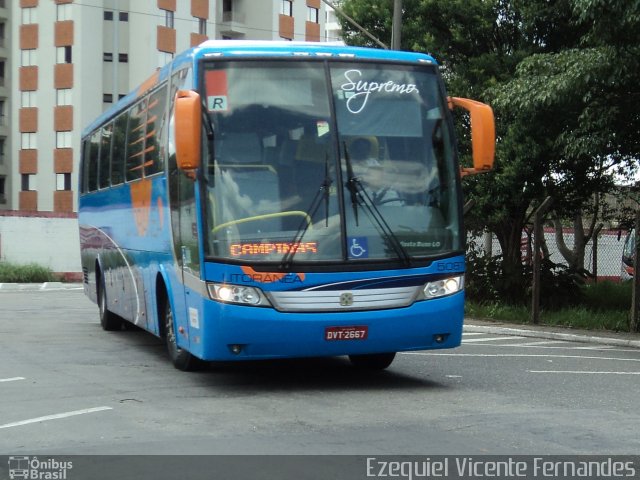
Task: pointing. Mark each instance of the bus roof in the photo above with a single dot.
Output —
(257, 48)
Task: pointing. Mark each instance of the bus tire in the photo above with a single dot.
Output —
(180, 358)
(375, 361)
(108, 320)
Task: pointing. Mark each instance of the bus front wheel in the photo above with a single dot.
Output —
(376, 361)
(108, 320)
(180, 358)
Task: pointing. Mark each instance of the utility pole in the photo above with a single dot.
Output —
(339, 11)
(396, 29)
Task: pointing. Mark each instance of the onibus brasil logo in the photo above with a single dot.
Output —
(34, 469)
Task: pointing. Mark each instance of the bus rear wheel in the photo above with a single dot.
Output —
(375, 361)
(108, 320)
(180, 358)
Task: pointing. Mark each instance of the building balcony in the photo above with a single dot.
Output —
(233, 24)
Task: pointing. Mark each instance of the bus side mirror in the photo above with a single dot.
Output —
(483, 134)
(188, 129)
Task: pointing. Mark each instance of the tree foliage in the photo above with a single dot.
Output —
(562, 77)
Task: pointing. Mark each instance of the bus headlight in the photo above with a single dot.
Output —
(443, 287)
(239, 294)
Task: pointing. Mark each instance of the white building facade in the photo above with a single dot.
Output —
(62, 62)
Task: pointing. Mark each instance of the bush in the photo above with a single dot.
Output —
(30, 273)
(607, 296)
(487, 282)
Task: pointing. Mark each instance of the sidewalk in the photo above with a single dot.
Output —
(602, 337)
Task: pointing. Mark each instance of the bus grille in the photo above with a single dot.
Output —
(343, 300)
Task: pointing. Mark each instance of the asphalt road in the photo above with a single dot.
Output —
(67, 387)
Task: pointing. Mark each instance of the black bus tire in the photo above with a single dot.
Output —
(375, 361)
(180, 358)
(108, 320)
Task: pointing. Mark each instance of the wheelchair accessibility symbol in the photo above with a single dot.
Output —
(358, 247)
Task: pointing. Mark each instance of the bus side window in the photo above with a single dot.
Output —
(136, 132)
(105, 155)
(83, 165)
(119, 149)
(92, 169)
(155, 131)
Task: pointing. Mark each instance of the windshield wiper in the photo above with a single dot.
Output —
(322, 193)
(352, 183)
(208, 126)
(359, 194)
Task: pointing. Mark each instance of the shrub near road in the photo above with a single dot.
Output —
(30, 273)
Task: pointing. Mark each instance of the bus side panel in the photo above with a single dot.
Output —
(123, 241)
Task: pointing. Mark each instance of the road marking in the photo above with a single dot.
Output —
(13, 379)
(490, 339)
(470, 334)
(522, 355)
(54, 417)
(541, 344)
(565, 345)
(578, 371)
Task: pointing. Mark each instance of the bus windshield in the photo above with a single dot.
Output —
(328, 161)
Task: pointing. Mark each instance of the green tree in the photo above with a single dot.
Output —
(561, 76)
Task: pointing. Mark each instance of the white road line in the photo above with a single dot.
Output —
(489, 339)
(12, 379)
(578, 371)
(54, 417)
(541, 344)
(567, 345)
(521, 355)
(471, 334)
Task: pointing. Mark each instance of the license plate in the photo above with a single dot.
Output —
(346, 333)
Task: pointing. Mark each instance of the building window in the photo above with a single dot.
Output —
(2, 33)
(2, 114)
(164, 58)
(168, 18)
(227, 6)
(286, 8)
(108, 15)
(28, 58)
(63, 181)
(1, 73)
(26, 182)
(28, 141)
(202, 26)
(123, 16)
(29, 16)
(63, 139)
(312, 15)
(63, 96)
(107, 57)
(63, 12)
(63, 54)
(2, 142)
(3, 198)
(27, 99)
(123, 57)
(107, 98)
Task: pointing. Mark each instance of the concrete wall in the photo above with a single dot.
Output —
(47, 239)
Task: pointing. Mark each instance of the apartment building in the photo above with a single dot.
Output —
(5, 89)
(65, 61)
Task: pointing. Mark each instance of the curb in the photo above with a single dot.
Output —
(569, 337)
(33, 287)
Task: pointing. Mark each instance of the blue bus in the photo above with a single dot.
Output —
(259, 200)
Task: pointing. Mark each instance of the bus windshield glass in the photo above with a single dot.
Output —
(320, 161)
